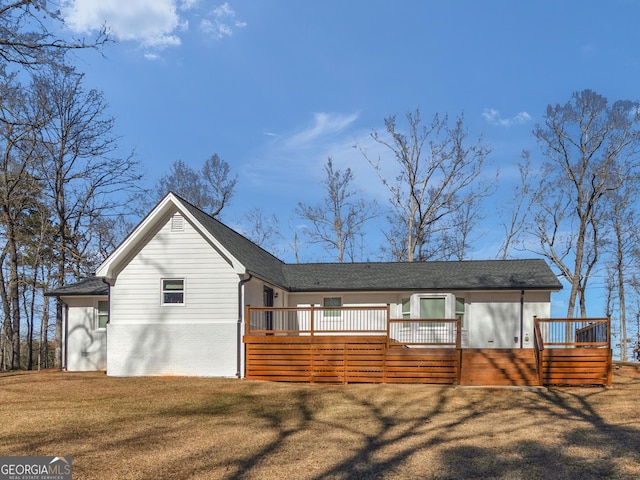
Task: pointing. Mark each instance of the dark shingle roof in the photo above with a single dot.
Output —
(462, 275)
(86, 286)
(256, 260)
(529, 274)
(373, 276)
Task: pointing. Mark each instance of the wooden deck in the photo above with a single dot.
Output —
(499, 367)
(346, 359)
(567, 352)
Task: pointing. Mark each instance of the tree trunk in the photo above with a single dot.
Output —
(13, 294)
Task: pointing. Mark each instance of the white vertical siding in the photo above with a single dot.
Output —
(86, 346)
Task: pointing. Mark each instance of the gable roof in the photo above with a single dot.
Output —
(248, 258)
(255, 259)
(531, 274)
(244, 255)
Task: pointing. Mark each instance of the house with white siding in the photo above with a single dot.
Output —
(172, 298)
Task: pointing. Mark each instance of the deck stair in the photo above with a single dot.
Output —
(499, 367)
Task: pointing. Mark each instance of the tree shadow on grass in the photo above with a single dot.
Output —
(590, 447)
(529, 460)
(356, 431)
(389, 440)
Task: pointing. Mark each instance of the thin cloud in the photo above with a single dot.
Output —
(324, 124)
(221, 22)
(285, 159)
(493, 116)
(224, 10)
(189, 4)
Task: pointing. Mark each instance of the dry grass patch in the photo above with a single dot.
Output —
(144, 428)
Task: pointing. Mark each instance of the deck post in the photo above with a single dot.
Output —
(247, 320)
(459, 349)
(387, 345)
(539, 348)
(388, 323)
(610, 359)
(311, 321)
(610, 368)
(311, 345)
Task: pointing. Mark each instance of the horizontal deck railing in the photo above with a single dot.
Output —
(572, 332)
(573, 351)
(367, 320)
(364, 344)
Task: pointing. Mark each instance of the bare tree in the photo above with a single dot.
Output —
(217, 177)
(209, 189)
(86, 179)
(622, 222)
(590, 148)
(457, 239)
(26, 38)
(263, 230)
(438, 176)
(339, 220)
(524, 194)
(18, 193)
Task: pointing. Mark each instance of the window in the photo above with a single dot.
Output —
(432, 308)
(332, 302)
(406, 312)
(102, 314)
(460, 310)
(173, 291)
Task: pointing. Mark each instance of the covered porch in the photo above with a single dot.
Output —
(365, 344)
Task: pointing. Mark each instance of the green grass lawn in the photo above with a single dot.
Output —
(170, 428)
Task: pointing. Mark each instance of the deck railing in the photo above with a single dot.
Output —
(313, 320)
(573, 351)
(419, 332)
(572, 332)
(362, 320)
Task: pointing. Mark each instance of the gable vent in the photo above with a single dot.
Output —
(177, 223)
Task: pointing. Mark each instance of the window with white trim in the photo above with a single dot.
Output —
(173, 291)
(431, 306)
(102, 314)
(406, 312)
(332, 302)
(460, 310)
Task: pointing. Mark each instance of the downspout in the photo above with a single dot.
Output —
(521, 317)
(239, 328)
(65, 319)
(106, 334)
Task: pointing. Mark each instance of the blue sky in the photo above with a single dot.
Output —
(275, 87)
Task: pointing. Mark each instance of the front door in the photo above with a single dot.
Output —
(268, 302)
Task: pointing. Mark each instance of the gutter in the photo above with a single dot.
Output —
(241, 284)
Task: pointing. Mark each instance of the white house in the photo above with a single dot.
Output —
(170, 299)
